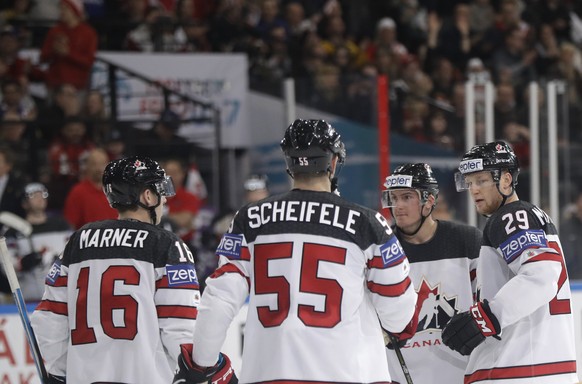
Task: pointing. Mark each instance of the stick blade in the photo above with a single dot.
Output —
(16, 222)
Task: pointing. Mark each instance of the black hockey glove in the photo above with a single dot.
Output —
(467, 330)
(53, 379)
(190, 373)
(30, 261)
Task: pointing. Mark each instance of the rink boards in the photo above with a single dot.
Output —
(17, 367)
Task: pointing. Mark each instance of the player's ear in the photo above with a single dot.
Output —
(506, 180)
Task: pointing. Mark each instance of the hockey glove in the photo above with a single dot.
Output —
(53, 379)
(30, 261)
(190, 373)
(467, 330)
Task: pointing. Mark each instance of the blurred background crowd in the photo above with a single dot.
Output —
(334, 49)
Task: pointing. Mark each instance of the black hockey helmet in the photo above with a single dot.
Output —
(416, 176)
(310, 145)
(125, 179)
(494, 157)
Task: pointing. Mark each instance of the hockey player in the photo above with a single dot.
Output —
(36, 253)
(443, 257)
(319, 272)
(123, 295)
(521, 331)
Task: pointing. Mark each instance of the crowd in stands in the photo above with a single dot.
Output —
(335, 49)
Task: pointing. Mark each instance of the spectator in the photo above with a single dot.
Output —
(335, 36)
(156, 33)
(11, 186)
(13, 135)
(386, 38)
(512, 62)
(65, 155)
(12, 66)
(66, 105)
(69, 48)
(36, 253)
(256, 188)
(229, 29)
(547, 48)
(16, 100)
(86, 202)
(162, 140)
(504, 107)
(183, 206)
(270, 20)
(95, 114)
(481, 16)
(455, 38)
(114, 144)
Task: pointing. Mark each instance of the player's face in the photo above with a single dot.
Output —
(484, 192)
(406, 207)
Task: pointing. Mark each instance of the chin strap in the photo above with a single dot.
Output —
(152, 209)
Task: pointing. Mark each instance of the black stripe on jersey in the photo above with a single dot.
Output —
(451, 241)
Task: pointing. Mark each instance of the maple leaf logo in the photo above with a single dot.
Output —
(436, 309)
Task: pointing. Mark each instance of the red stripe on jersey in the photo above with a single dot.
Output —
(309, 382)
(56, 307)
(245, 254)
(391, 290)
(61, 281)
(522, 371)
(545, 257)
(229, 268)
(377, 262)
(176, 311)
(163, 283)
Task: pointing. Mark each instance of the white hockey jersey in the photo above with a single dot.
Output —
(320, 272)
(521, 272)
(443, 271)
(117, 305)
(48, 239)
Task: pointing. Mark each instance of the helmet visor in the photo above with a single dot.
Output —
(460, 183)
(404, 196)
(165, 187)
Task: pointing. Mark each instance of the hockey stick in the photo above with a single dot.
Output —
(403, 365)
(19, 224)
(21, 305)
(16, 222)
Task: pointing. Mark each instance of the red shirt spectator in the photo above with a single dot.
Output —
(67, 151)
(69, 48)
(183, 207)
(86, 201)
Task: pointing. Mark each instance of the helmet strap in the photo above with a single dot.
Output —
(152, 208)
(504, 196)
(336, 171)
